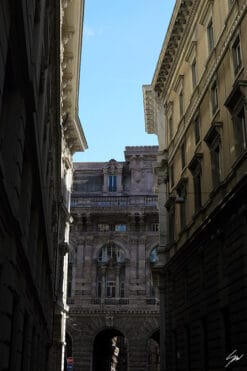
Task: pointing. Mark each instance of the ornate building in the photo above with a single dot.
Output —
(196, 104)
(114, 309)
(39, 132)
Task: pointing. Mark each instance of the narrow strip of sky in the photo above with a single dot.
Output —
(122, 40)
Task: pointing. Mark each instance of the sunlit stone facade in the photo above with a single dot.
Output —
(113, 240)
(196, 104)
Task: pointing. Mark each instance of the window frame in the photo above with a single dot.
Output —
(194, 73)
(214, 97)
(181, 102)
(112, 183)
(237, 55)
(197, 131)
(183, 154)
(210, 35)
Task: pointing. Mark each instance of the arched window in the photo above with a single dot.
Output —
(111, 254)
(153, 257)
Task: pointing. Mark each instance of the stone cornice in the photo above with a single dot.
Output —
(206, 80)
(171, 50)
(71, 36)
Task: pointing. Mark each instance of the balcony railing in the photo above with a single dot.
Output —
(111, 301)
(114, 202)
(125, 301)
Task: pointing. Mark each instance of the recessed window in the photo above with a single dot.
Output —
(154, 227)
(110, 289)
(236, 55)
(103, 227)
(170, 123)
(171, 222)
(237, 108)
(182, 192)
(112, 183)
(210, 33)
(153, 257)
(214, 97)
(193, 73)
(172, 174)
(181, 103)
(182, 151)
(215, 163)
(196, 170)
(197, 190)
(240, 130)
(120, 227)
(197, 129)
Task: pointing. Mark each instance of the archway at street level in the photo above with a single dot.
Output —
(153, 351)
(110, 351)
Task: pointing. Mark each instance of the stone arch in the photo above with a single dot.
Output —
(110, 350)
(153, 351)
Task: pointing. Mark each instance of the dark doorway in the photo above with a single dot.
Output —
(154, 351)
(110, 351)
(68, 360)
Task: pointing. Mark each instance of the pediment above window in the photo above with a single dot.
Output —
(213, 132)
(237, 95)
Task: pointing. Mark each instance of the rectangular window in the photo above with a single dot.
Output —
(193, 72)
(170, 120)
(154, 227)
(172, 174)
(103, 227)
(197, 190)
(210, 33)
(122, 290)
(240, 131)
(182, 203)
(111, 289)
(171, 221)
(99, 290)
(236, 54)
(112, 183)
(181, 103)
(197, 129)
(214, 97)
(215, 161)
(182, 151)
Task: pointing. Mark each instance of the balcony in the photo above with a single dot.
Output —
(110, 301)
(120, 202)
(126, 301)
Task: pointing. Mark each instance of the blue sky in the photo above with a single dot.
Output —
(122, 40)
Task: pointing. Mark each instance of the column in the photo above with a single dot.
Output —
(103, 282)
(117, 281)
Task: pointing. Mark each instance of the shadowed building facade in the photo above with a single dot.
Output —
(114, 309)
(196, 104)
(39, 132)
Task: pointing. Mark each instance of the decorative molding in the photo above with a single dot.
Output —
(70, 51)
(149, 109)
